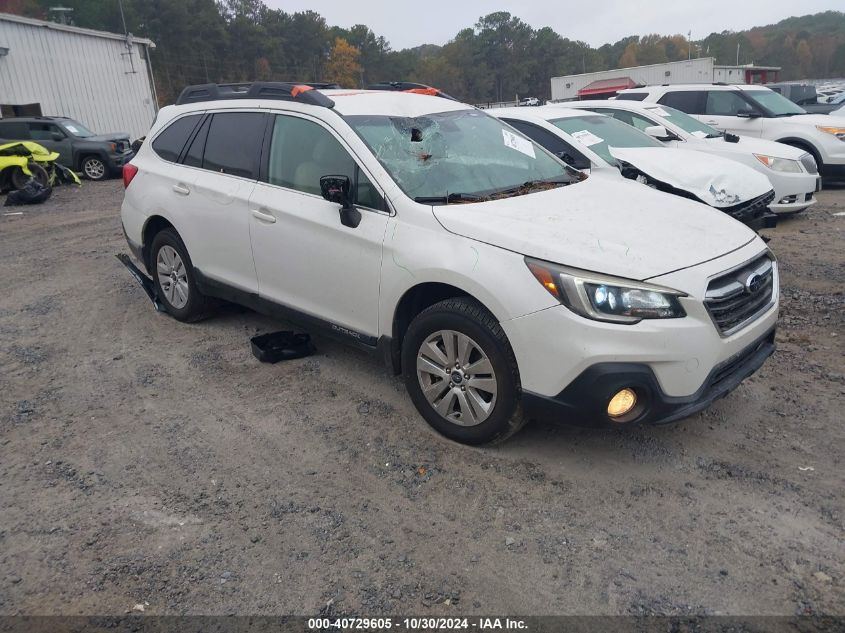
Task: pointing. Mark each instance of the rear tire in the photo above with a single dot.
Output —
(461, 373)
(174, 278)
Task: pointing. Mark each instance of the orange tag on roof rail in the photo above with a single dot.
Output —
(432, 92)
(297, 90)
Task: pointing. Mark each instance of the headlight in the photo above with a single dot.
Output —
(779, 164)
(605, 298)
(838, 132)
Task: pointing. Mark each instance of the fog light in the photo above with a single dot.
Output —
(621, 403)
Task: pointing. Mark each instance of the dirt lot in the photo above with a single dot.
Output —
(147, 461)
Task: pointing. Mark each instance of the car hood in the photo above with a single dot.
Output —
(719, 182)
(603, 224)
(106, 138)
(749, 145)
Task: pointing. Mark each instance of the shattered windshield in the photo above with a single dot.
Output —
(459, 156)
(600, 133)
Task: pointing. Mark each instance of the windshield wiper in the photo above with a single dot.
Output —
(450, 198)
(527, 186)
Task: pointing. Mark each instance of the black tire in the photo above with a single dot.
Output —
(468, 317)
(198, 305)
(39, 174)
(94, 168)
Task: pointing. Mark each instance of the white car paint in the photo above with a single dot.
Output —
(793, 190)
(714, 181)
(801, 130)
(354, 278)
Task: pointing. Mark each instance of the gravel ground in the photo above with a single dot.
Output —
(145, 461)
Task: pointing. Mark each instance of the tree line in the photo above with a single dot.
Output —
(498, 58)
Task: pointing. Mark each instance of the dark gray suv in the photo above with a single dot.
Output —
(97, 156)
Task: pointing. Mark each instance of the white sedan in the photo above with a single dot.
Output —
(792, 171)
(608, 148)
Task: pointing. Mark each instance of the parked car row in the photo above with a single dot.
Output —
(756, 112)
(504, 277)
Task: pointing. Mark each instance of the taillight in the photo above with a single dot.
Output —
(129, 171)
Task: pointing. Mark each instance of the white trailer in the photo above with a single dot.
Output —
(102, 79)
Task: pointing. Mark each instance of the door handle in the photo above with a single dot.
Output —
(263, 215)
(181, 189)
(711, 122)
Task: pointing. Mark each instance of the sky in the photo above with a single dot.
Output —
(408, 23)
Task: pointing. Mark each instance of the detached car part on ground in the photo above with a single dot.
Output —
(792, 171)
(604, 147)
(501, 283)
(24, 161)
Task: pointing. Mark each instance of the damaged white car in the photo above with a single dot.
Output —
(503, 284)
(607, 147)
(793, 172)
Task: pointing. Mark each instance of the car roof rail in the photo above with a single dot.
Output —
(279, 91)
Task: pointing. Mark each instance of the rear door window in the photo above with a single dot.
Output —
(170, 142)
(689, 101)
(234, 143)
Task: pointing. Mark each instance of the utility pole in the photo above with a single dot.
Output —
(689, 45)
(737, 53)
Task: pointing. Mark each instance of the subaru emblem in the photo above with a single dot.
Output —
(753, 283)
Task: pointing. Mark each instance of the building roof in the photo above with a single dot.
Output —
(8, 17)
(603, 86)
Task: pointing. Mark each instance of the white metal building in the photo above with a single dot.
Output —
(606, 83)
(104, 80)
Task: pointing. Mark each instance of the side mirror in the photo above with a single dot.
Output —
(748, 114)
(575, 163)
(660, 133)
(57, 136)
(336, 189)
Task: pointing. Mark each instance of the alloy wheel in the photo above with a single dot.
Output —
(172, 276)
(457, 377)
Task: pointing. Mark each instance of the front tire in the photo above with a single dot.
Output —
(94, 168)
(461, 373)
(174, 278)
(39, 174)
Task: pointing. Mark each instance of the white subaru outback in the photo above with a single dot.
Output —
(502, 284)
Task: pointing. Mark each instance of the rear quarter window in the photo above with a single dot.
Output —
(14, 131)
(171, 141)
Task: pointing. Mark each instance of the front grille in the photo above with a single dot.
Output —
(734, 299)
(751, 210)
(809, 163)
(726, 370)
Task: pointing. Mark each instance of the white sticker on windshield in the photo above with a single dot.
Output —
(518, 143)
(699, 134)
(659, 111)
(71, 128)
(585, 137)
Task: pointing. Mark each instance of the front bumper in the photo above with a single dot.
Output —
(585, 400)
(115, 162)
